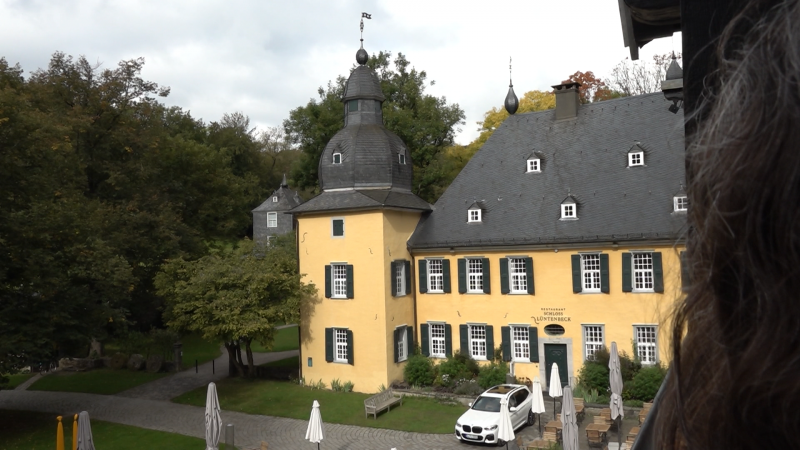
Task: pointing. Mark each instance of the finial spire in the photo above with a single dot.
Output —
(363, 16)
(512, 102)
(361, 54)
(510, 84)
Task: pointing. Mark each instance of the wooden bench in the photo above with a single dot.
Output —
(580, 409)
(380, 401)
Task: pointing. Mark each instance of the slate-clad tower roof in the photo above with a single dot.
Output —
(364, 156)
(278, 203)
(585, 159)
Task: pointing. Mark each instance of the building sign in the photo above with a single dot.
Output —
(552, 315)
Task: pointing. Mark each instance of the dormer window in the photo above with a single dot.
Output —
(569, 209)
(402, 159)
(275, 199)
(337, 158)
(636, 158)
(474, 215)
(680, 203)
(534, 165)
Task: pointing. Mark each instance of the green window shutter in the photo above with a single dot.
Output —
(489, 342)
(487, 276)
(423, 276)
(338, 227)
(504, 288)
(463, 334)
(327, 281)
(409, 341)
(448, 340)
(627, 285)
(329, 344)
(396, 343)
(533, 341)
(350, 281)
(658, 273)
(604, 288)
(350, 358)
(446, 276)
(684, 272)
(425, 339)
(462, 275)
(392, 280)
(529, 275)
(505, 334)
(577, 285)
(407, 275)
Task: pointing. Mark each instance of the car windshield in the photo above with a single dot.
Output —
(488, 404)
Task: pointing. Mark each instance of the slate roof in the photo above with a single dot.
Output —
(585, 158)
(362, 83)
(287, 199)
(362, 199)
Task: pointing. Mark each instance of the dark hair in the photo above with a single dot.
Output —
(735, 378)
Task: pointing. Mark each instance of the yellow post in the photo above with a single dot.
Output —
(75, 433)
(60, 435)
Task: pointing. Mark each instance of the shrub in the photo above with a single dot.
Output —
(492, 374)
(594, 376)
(455, 368)
(419, 371)
(646, 383)
(348, 386)
(628, 366)
(633, 403)
(470, 387)
(336, 385)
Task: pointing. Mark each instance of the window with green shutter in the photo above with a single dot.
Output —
(329, 344)
(486, 274)
(425, 339)
(350, 281)
(448, 340)
(462, 276)
(627, 263)
(504, 281)
(327, 281)
(337, 227)
(446, 276)
(533, 342)
(685, 277)
(604, 287)
(423, 276)
(577, 284)
(529, 275)
(505, 336)
(350, 359)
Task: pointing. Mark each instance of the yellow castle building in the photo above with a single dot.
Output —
(561, 235)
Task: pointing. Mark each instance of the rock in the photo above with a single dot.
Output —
(155, 363)
(78, 364)
(136, 362)
(118, 361)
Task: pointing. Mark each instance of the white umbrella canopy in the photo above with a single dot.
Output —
(537, 399)
(505, 430)
(85, 439)
(615, 378)
(213, 419)
(569, 432)
(554, 386)
(314, 430)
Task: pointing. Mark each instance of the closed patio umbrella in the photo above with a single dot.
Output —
(615, 380)
(314, 430)
(85, 439)
(537, 401)
(213, 419)
(505, 430)
(569, 432)
(555, 386)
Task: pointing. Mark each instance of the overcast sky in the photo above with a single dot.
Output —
(265, 57)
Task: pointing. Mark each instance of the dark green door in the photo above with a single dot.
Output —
(556, 353)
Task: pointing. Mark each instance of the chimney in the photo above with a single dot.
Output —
(567, 100)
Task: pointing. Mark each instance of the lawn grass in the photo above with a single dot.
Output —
(285, 339)
(23, 430)
(292, 361)
(197, 348)
(98, 381)
(284, 399)
(16, 380)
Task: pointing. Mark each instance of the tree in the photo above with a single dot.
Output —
(640, 77)
(426, 124)
(235, 294)
(592, 89)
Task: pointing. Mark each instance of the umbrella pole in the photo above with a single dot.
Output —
(540, 424)
(619, 431)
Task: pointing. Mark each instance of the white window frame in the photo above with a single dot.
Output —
(520, 343)
(474, 276)
(338, 280)
(591, 279)
(474, 215)
(635, 159)
(335, 155)
(680, 203)
(333, 234)
(517, 276)
(477, 341)
(569, 211)
(646, 338)
(435, 276)
(437, 333)
(642, 277)
(402, 344)
(272, 220)
(275, 199)
(400, 278)
(534, 165)
(340, 345)
(402, 158)
(594, 336)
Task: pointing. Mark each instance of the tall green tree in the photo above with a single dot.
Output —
(236, 295)
(427, 124)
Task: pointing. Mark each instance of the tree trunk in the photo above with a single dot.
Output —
(233, 348)
(251, 368)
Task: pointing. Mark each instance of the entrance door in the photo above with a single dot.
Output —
(556, 353)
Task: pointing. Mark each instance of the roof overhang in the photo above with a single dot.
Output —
(645, 20)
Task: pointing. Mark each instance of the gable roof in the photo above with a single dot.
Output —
(362, 199)
(586, 159)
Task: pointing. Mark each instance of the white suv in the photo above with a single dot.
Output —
(479, 423)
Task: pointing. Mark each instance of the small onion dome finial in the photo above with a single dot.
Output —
(512, 102)
(362, 56)
(674, 71)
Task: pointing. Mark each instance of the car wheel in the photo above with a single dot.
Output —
(500, 443)
(531, 418)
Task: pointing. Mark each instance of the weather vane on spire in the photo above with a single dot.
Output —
(509, 72)
(364, 16)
